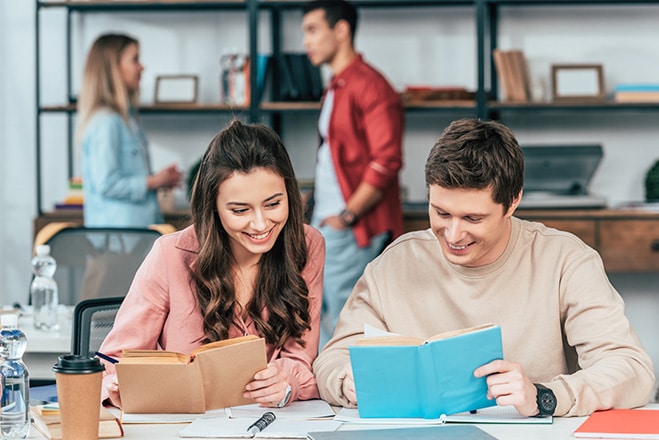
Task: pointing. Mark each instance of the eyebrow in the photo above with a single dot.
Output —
(274, 196)
(471, 214)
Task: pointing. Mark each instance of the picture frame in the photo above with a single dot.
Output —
(577, 82)
(176, 89)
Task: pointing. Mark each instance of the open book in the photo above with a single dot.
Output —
(46, 420)
(213, 376)
(399, 376)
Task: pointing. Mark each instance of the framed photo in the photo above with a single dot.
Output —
(176, 89)
(577, 82)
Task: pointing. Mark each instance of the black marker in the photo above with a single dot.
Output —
(262, 423)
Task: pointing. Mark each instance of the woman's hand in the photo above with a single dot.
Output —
(268, 387)
(112, 387)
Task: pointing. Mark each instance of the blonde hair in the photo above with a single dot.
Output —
(102, 85)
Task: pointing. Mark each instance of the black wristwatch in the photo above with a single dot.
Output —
(348, 218)
(546, 400)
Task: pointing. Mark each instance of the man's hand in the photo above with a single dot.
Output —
(348, 389)
(509, 385)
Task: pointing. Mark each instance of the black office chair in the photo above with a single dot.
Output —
(96, 262)
(92, 321)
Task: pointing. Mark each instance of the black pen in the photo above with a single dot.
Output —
(106, 357)
(261, 423)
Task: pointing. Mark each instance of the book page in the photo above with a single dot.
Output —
(224, 343)
(389, 340)
(459, 332)
(153, 357)
(300, 409)
(371, 332)
(497, 414)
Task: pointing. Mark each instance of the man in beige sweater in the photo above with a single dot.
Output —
(569, 350)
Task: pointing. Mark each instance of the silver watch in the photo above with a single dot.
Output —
(287, 397)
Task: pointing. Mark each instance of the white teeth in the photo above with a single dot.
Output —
(259, 237)
(457, 248)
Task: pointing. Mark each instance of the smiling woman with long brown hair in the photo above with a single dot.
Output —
(247, 265)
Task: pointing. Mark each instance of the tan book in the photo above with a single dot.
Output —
(212, 376)
(502, 66)
(47, 422)
(520, 74)
(641, 96)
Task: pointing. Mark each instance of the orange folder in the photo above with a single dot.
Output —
(621, 423)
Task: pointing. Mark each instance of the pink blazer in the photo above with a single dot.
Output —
(161, 311)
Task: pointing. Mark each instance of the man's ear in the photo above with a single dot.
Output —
(342, 30)
(515, 203)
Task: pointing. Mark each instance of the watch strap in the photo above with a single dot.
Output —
(348, 217)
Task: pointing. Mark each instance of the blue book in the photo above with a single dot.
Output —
(400, 377)
(637, 88)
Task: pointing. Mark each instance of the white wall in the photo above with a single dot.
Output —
(434, 46)
(3, 142)
(17, 207)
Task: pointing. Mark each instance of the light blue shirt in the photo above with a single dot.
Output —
(115, 167)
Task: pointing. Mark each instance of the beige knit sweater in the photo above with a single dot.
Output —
(560, 317)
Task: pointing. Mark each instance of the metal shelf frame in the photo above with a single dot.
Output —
(486, 16)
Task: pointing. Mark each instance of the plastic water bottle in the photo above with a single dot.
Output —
(15, 416)
(44, 290)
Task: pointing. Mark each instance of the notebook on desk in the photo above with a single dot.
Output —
(559, 177)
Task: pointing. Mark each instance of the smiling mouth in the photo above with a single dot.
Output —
(457, 248)
(259, 236)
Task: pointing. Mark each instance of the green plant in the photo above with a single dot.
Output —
(652, 183)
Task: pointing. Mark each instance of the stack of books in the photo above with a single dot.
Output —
(74, 196)
(513, 75)
(637, 93)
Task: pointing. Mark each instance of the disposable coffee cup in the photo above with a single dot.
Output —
(79, 380)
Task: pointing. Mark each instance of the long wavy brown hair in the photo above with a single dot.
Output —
(279, 285)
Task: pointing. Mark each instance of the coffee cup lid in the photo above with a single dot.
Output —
(76, 364)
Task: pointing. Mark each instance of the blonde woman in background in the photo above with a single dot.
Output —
(119, 187)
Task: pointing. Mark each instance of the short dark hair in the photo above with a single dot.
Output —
(335, 10)
(477, 154)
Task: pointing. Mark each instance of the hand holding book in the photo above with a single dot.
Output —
(429, 378)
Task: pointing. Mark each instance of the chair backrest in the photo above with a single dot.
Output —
(92, 321)
(97, 262)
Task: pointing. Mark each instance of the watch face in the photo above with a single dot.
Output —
(547, 402)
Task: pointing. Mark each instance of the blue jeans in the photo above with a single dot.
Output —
(344, 264)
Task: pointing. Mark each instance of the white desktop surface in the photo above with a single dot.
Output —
(562, 428)
(44, 347)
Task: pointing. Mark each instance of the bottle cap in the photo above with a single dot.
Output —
(9, 320)
(43, 250)
(76, 364)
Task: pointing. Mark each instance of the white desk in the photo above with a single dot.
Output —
(562, 428)
(43, 348)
